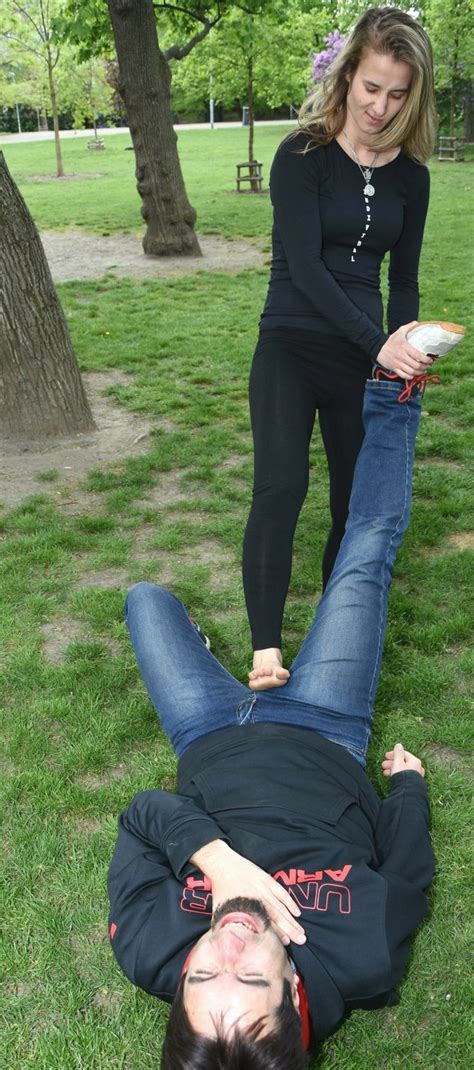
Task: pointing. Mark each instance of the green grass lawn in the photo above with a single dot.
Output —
(81, 737)
(110, 203)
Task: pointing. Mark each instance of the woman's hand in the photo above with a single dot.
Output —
(399, 759)
(231, 875)
(397, 355)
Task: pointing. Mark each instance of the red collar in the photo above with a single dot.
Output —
(304, 1014)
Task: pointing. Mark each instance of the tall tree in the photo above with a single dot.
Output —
(86, 92)
(145, 88)
(144, 81)
(240, 55)
(20, 79)
(82, 89)
(28, 26)
(41, 392)
(450, 24)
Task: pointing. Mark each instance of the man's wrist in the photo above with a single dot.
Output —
(210, 857)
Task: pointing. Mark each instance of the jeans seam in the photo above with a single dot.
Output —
(389, 548)
(347, 745)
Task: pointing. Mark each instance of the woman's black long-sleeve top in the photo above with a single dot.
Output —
(329, 240)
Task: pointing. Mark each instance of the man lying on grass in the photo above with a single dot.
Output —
(275, 819)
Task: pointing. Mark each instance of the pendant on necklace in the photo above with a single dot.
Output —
(369, 190)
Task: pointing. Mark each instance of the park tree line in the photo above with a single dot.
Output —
(246, 50)
(278, 44)
(178, 56)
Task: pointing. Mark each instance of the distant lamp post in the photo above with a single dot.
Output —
(11, 78)
(211, 103)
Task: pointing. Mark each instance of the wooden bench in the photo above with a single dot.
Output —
(252, 173)
(96, 143)
(451, 148)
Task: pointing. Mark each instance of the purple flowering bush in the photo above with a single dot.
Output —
(322, 60)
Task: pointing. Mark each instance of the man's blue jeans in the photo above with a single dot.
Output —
(334, 676)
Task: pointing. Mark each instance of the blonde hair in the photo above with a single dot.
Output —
(388, 31)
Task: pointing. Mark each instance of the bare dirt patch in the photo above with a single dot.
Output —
(119, 434)
(109, 578)
(96, 781)
(76, 502)
(18, 989)
(167, 491)
(455, 542)
(209, 552)
(450, 757)
(108, 1003)
(87, 826)
(65, 178)
(7, 768)
(234, 460)
(58, 636)
(199, 516)
(441, 462)
(462, 540)
(222, 566)
(142, 551)
(168, 563)
(73, 254)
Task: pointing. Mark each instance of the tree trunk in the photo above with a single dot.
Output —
(254, 186)
(54, 109)
(468, 116)
(145, 86)
(452, 106)
(454, 86)
(41, 392)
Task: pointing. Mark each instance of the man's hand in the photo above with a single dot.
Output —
(231, 875)
(399, 760)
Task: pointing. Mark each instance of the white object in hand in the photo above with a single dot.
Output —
(435, 337)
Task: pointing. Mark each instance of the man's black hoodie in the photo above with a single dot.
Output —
(304, 810)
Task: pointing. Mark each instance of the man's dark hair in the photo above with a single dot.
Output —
(185, 1049)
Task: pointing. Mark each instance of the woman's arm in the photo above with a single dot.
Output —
(403, 300)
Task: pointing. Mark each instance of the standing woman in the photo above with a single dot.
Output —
(350, 186)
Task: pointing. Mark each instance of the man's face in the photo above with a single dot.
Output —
(236, 970)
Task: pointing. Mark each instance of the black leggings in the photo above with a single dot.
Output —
(294, 374)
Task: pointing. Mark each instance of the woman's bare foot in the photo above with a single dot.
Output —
(267, 670)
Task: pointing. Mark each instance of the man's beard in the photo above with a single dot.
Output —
(240, 904)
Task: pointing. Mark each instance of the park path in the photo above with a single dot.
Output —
(109, 131)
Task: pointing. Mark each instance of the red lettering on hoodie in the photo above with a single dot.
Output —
(306, 889)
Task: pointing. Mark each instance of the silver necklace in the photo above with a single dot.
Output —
(366, 172)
